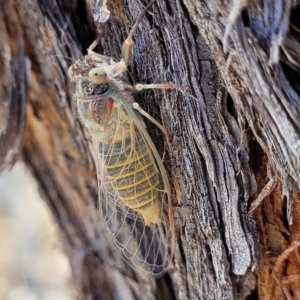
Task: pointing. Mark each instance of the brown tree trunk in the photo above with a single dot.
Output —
(234, 137)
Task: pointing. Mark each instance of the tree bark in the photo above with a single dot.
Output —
(233, 160)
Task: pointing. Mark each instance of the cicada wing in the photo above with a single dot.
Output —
(126, 179)
(141, 246)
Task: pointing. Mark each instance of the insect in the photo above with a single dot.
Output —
(134, 191)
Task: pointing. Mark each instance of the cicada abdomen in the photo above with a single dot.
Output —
(133, 174)
(134, 192)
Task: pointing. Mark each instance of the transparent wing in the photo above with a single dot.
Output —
(133, 200)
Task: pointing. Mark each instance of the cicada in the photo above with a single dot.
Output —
(134, 191)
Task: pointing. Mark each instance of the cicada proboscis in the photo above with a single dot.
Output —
(134, 191)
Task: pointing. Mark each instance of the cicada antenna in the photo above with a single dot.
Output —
(72, 59)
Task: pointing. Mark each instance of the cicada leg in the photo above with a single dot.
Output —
(164, 86)
(139, 87)
(136, 106)
(98, 39)
(127, 48)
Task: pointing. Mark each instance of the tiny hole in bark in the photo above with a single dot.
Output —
(230, 107)
(245, 18)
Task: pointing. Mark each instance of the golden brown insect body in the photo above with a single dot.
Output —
(134, 191)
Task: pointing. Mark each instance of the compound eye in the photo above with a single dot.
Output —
(98, 75)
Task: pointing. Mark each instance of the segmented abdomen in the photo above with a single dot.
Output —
(132, 173)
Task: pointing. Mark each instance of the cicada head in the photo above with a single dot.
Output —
(87, 81)
(94, 74)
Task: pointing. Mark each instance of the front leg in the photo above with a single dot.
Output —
(127, 48)
(163, 86)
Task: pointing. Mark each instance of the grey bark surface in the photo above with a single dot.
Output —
(235, 126)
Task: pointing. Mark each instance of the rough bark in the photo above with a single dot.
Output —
(234, 137)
